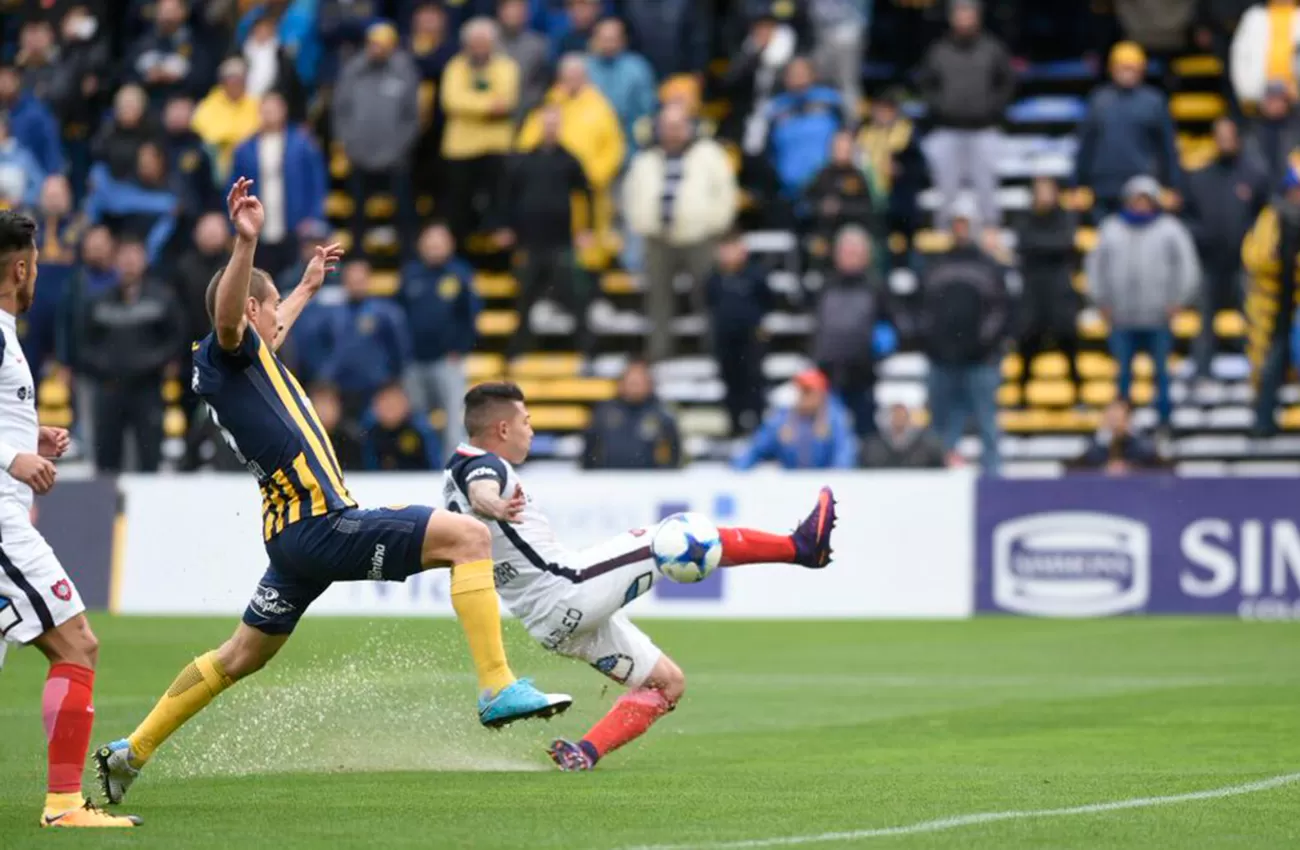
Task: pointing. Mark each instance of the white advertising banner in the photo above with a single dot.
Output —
(903, 546)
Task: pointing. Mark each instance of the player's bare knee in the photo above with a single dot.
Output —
(473, 541)
(71, 643)
(87, 646)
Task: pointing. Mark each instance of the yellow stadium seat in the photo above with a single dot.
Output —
(1229, 324)
(617, 283)
(495, 285)
(1198, 66)
(381, 207)
(55, 393)
(1186, 324)
(897, 243)
(56, 417)
(1050, 393)
(1085, 239)
(378, 243)
(339, 205)
(559, 417)
(1023, 421)
(171, 391)
(1288, 418)
(497, 322)
(1011, 367)
(1009, 395)
(344, 239)
(1095, 365)
(1143, 366)
(484, 367)
(1196, 152)
(584, 390)
(1080, 282)
(1196, 106)
(340, 168)
(384, 284)
(547, 366)
(932, 241)
(1098, 393)
(1078, 200)
(1143, 393)
(174, 424)
(1052, 364)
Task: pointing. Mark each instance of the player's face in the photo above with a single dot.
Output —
(263, 316)
(518, 436)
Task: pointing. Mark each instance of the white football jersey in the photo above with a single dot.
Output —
(19, 427)
(533, 571)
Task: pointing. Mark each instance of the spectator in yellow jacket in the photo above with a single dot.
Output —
(590, 130)
(480, 92)
(228, 115)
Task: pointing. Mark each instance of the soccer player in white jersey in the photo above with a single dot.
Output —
(572, 602)
(38, 603)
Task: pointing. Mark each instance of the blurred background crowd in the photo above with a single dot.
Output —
(819, 233)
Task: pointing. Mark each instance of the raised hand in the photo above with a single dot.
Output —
(245, 210)
(326, 261)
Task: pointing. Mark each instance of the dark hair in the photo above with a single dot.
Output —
(17, 233)
(482, 401)
(260, 287)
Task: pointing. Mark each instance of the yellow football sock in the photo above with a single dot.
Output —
(474, 597)
(196, 686)
(56, 803)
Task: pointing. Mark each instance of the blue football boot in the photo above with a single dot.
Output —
(519, 700)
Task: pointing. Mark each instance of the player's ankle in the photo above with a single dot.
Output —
(590, 750)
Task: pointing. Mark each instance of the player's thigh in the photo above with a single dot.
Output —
(617, 648)
(453, 538)
(612, 574)
(36, 595)
(358, 544)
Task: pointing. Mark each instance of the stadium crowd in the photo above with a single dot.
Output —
(563, 140)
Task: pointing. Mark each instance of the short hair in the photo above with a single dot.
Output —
(486, 26)
(260, 286)
(483, 401)
(17, 233)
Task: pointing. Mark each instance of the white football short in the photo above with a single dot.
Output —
(587, 621)
(36, 594)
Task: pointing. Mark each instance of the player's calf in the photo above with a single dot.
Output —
(631, 717)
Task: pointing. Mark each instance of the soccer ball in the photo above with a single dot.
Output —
(686, 547)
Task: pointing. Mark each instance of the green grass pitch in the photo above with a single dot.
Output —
(362, 734)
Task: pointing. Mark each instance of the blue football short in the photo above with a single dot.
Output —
(354, 544)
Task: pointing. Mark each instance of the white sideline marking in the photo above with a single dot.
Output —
(942, 824)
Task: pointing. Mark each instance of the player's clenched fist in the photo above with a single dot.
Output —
(34, 471)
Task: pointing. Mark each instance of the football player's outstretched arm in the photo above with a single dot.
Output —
(486, 499)
(228, 316)
(326, 261)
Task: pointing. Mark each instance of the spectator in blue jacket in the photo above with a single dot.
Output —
(1127, 133)
(296, 30)
(551, 17)
(816, 433)
(674, 35)
(801, 124)
(30, 122)
(21, 176)
(625, 78)
(367, 340)
(437, 293)
(143, 207)
(394, 438)
(633, 431)
(302, 182)
(582, 18)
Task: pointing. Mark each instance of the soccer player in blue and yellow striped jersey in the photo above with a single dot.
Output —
(314, 532)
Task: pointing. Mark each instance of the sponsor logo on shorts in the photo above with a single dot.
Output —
(618, 667)
(377, 563)
(640, 586)
(9, 616)
(62, 590)
(267, 602)
(1071, 564)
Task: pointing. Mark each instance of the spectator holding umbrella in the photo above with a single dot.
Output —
(1143, 272)
(964, 323)
(1049, 307)
(814, 433)
(1127, 132)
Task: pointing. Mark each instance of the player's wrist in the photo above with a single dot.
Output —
(8, 454)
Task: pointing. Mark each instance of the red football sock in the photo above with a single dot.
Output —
(747, 546)
(631, 717)
(69, 714)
